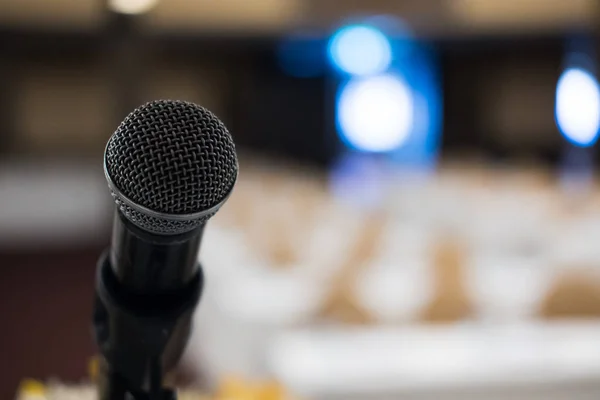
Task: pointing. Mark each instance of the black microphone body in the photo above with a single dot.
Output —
(148, 287)
(147, 263)
(170, 166)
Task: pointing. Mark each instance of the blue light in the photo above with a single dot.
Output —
(360, 50)
(578, 106)
(375, 114)
(420, 70)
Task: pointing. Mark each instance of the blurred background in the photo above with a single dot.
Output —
(417, 213)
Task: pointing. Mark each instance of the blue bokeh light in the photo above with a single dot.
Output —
(360, 50)
(398, 113)
(578, 106)
(375, 114)
(421, 72)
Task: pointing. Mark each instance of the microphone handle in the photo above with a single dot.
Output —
(147, 288)
(149, 263)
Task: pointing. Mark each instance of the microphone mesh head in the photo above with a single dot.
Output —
(173, 158)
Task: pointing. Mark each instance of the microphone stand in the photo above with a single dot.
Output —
(141, 336)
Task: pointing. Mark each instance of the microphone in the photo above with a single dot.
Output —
(170, 166)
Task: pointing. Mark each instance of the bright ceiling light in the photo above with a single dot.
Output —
(131, 7)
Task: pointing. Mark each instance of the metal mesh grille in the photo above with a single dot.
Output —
(158, 225)
(172, 157)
